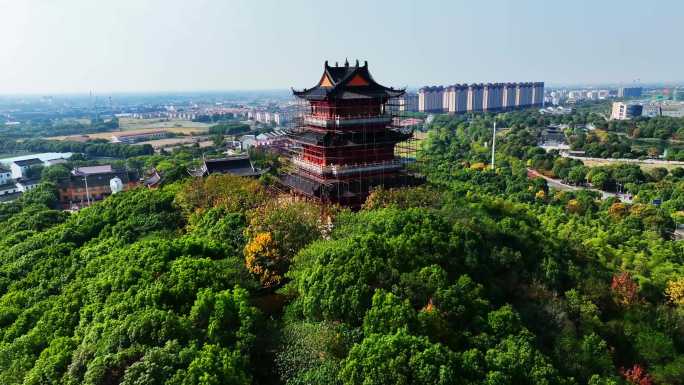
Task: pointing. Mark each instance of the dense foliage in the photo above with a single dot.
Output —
(228, 128)
(661, 127)
(126, 291)
(43, 127)
(482, 276)
(96, 148)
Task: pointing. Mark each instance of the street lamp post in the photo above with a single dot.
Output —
(85, 178)
(493, 143)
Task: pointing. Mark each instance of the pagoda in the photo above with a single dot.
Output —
(344, 145)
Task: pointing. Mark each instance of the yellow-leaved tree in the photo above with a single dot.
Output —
(275, 233)
(675, 291)
(263, 259)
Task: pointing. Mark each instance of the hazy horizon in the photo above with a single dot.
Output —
(172, 46)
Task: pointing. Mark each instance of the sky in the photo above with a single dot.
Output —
(72, 46)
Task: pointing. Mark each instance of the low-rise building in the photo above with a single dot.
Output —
(8, 188)
(558, 110)
(93, 183)
(652, 110)
(624, 111)
(248, 141)
(20, 168)
(552, 135)
(239, 165)
(674, 109)
(5, 175)
(271, 138)
(52, 162)
(92, 170)
(152, 180)
(24, 185)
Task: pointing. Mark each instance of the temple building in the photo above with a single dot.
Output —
(345, 144)
(239, 165)
(93, 183)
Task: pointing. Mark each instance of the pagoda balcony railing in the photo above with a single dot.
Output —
(342, 121)
(346, 169)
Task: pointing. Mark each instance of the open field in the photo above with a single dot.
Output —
(595, 162)
(202, 144)
(132, 126)
(127, 124)
(175, 142)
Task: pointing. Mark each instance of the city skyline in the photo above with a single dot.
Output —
(132, 47)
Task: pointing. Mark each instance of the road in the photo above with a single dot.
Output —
(559, 185)
(679, 234)
(555, 183)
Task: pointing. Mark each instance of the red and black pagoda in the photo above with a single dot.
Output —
(345, 144)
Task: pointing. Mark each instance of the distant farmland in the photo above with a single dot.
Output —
(178, 142)
(177, 126)
(183, 127)
(594, 162)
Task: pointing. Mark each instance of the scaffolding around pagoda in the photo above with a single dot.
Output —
(342, 147)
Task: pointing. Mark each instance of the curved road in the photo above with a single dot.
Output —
(559, 185)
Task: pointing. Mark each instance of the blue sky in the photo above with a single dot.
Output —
(52, 46)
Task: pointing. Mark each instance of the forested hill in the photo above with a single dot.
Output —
(479, 277)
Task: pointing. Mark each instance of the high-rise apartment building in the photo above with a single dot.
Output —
(492, 97)
(629, 92)
(410, 102)
(523, 95)
(508, 97)
(431, 99)
(456, 99)
(407, 103)
(475, 97)
(538, 94)
(478, 97)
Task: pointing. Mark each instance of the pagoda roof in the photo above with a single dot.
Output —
(347, 83)
(239, 165)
